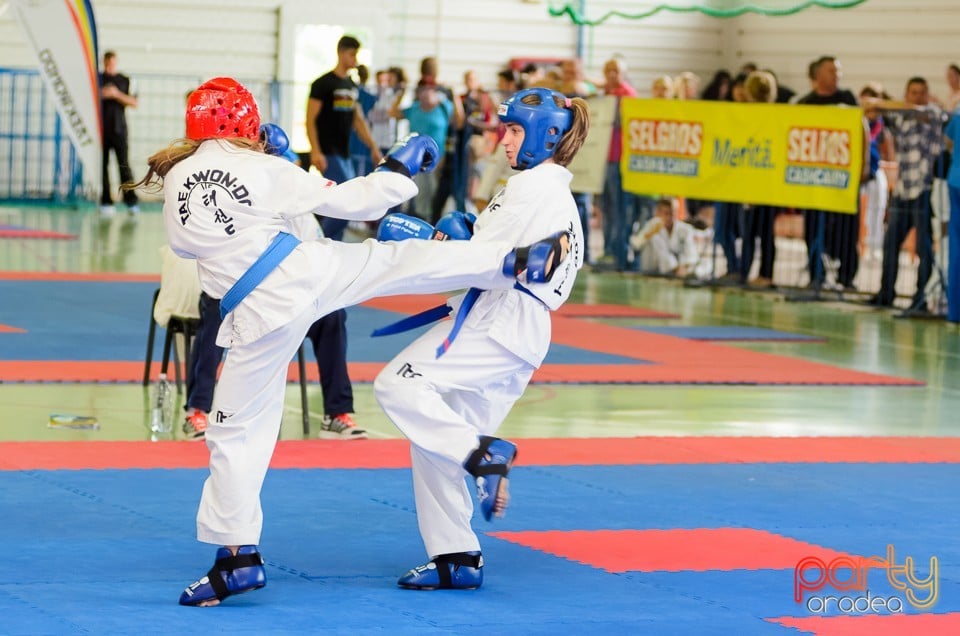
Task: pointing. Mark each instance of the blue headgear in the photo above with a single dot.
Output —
(543, 124)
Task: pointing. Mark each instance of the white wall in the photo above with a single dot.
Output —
(251, 38)
(881, 40)
(191, 40)
(172, 45)
(886, 40)
(151, 37)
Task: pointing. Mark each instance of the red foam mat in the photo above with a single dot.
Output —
(7, 232)
(573, 310)
(677, 360)
(115, 277)
(672, 550)
(670, 360)
(666, 359)
(414, 304)
(394, 453)
(879, 625)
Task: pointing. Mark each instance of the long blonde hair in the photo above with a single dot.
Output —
(664, 82)
(162, 161)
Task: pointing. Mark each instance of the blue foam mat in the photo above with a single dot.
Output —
(92, 320)
(108, 552)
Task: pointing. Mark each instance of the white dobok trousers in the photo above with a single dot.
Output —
(248, 401)
(443, 405)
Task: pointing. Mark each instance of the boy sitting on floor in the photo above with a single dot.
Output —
(665, 245)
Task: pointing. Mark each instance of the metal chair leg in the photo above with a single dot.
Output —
(169, 344)
(305, 408)
(188, 332)
(151, 333)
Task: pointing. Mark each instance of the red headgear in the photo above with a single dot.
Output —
(222, 107)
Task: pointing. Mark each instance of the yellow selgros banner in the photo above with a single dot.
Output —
(786, 155)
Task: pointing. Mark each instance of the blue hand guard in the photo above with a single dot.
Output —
(400, 227)
(456, 226)
(412, 154)
(535, 263)
(275, 140)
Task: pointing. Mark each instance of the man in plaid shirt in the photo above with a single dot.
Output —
(917, 127)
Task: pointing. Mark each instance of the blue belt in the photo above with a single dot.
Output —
(412, 322)
(468, 301)
(282, 245)
(432, 315)
(436, 313)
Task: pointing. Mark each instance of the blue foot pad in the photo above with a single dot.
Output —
(457, 571)
(490, 464)
(230, 574)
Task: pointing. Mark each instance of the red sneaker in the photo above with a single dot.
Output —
(340, 427)
(195, 424)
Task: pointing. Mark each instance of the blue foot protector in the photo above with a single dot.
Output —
(229, 575)
(490, 464)
(457, 571)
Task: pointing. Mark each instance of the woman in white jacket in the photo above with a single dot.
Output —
(449, 397)
(233, 208)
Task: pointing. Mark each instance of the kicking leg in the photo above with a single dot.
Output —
(490, 464)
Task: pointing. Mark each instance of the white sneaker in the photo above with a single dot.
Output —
(340, 427)
(107, 210)
(133, 210)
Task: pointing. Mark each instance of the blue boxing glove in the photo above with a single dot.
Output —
(274, 139)
(400, 227)
(538, 262)
(456, 226)
(412, 154)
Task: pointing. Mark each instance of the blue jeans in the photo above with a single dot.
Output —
(584, 201)
(913, 213)
(461, 169)
(757, 222)
(618, 215)
(329, 337)
(205, 356)
(953, 265)
(726, 218)
(339, 169)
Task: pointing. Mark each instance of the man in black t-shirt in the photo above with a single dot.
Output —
(333, 111)
(831, 233)
(115, 97)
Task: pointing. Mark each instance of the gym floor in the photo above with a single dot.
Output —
(732, 403)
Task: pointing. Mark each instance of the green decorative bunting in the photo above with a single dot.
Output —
(714, 8)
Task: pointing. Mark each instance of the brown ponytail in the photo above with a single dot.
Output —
(573, 139)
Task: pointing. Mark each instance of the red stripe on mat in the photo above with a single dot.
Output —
(394, 453)
(112, 277)
(85, 371)
(719, 368)
(875, 625)
(672, 550)
(7, 233)
(682, 361)
(409, 304)
(406, 304)
(571, 310)
(9, 329)
(669, 360)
